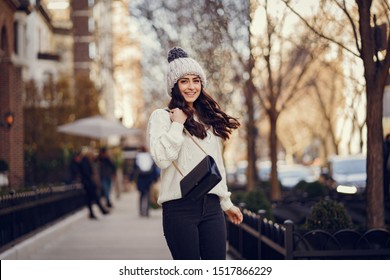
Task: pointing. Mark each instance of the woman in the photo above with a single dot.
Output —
(192, 229)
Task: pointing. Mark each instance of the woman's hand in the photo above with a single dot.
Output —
(177, 115)
(235, 215)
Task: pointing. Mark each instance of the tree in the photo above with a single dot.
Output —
(47, 151)
(284, 65)
(87, 95)
(311, 122)
(371, 44)
(327, 107)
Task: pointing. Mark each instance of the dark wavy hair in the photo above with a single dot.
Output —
(208, 112)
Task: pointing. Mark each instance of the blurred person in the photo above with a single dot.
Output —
(192, 229)
(86, 172)
(74, 168)
(107, 170)
(386, 167)
(145, 173)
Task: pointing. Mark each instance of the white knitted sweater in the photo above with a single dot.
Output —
(168, 143)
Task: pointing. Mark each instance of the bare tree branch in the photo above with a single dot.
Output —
(318, 33)
(350, 19)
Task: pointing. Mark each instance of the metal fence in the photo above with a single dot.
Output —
(259, 238)
(22, 214)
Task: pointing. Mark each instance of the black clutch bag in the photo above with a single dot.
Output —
(200, 180)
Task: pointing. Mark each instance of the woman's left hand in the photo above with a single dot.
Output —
(235, 215)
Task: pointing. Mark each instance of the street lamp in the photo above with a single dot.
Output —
(8, 120)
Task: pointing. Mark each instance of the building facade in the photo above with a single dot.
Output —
(11, 137)
(127, 56)
(50, 47)
(43, 40)
(105, 51)
(84, 48)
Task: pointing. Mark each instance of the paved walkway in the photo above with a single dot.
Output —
(121, 235)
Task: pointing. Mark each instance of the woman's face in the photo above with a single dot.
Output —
(190, 87)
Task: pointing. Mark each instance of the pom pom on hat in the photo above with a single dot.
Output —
(180, 64)
(176, 53)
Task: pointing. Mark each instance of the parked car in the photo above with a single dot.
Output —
(230, 174)
(289, 174)
(348, 173)
(240, 178)
(263, 169)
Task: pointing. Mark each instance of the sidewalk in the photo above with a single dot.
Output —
(121, 235)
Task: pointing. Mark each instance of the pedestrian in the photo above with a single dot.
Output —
(145, 174)
(192, 229)
(86, 171)
(74, 168)
(386, 167)
(107, 171)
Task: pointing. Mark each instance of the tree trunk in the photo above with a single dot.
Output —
(276, 194)
(251, 137)
(374, 188)
(375, 82)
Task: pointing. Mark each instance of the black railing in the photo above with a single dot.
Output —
(259, 238)
(24, 213)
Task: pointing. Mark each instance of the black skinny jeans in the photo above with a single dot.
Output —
(195, 230)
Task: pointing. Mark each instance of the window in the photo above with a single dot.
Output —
(92, 50)
(24, 40)
(39, 40)
(4, 39)
(16, 37)
(91, 24)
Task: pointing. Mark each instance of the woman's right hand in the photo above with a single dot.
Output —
(235, 215)
(177, 115)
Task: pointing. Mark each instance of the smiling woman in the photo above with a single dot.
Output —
(192, 126)
(190, 86)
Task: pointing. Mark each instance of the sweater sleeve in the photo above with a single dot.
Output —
(165, 138)
(225, 200)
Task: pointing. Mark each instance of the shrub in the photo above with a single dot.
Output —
(312, 190)
(316, 189)
(328, 215)
(254, 200)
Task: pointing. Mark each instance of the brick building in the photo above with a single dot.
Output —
(40, 42)
(11, 138)
(106, 52)
(84, 46)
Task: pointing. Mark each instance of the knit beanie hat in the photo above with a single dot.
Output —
(180, 65)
